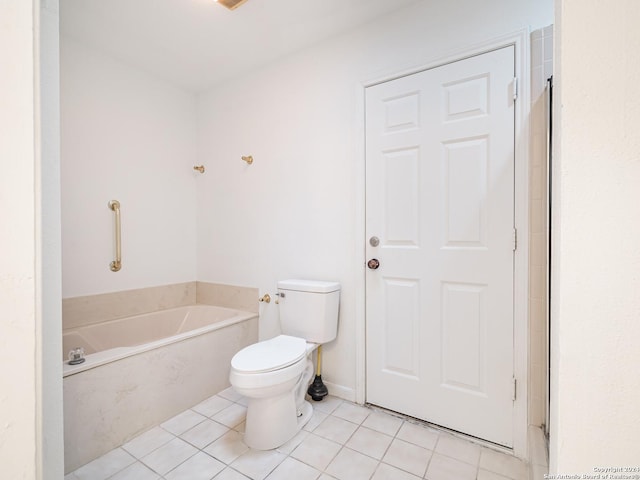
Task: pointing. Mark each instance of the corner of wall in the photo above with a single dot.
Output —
(48, 230)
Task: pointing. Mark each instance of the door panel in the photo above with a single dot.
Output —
(401, 194)
(439, 195)
(465, 188)
(402, 348)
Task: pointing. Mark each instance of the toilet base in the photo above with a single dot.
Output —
(276, 413)
(266, 432)
(274, 420)
(307, 411)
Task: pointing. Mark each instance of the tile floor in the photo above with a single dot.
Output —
(342, 441)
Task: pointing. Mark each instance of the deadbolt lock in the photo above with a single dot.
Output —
(373, 264)
(374, 241)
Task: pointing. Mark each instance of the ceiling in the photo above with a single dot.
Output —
(196, 44)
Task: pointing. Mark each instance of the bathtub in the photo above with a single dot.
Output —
(142, 370)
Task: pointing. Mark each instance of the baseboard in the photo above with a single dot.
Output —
(341, 391)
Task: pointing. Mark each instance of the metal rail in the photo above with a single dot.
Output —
(116, 265)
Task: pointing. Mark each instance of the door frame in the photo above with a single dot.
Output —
(520, 41)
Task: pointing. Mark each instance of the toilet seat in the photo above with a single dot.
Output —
(269, 355)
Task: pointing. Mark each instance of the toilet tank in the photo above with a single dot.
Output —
(309, 309)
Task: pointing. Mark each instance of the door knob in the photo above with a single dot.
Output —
(373, 264)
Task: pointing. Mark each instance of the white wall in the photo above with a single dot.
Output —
(18, 297)
(30, 373)
(295, 212)
(595, 301)
(131, 137)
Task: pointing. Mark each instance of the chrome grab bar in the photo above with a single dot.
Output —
(116, 265)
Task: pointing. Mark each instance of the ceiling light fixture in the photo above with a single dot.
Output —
(231, 4)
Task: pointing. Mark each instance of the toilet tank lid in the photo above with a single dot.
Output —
(316, 286)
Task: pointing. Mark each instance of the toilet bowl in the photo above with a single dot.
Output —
(273, 375)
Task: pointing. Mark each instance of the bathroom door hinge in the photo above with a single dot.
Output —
(514, 383)
(515, 239)
(515, 88)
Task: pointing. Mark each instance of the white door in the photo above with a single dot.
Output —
(440, 201)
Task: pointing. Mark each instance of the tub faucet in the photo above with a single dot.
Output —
(76, 356)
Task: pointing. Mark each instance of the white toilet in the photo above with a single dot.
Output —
(274, 374)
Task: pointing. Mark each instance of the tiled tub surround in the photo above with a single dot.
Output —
(108, 405)
(342, 441)
(91, 309)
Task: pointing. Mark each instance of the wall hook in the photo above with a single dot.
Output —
(199, 168)
(248, 159)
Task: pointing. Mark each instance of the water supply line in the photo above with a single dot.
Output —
(317, 390)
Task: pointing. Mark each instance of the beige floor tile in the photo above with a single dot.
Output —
(336, 429)
(183, 422)
(230, 474)
(408, 457)
(147, 442)
(105, 466)
(230, 394)
(487, 475)
(447, 468)
(136, 471)
(228, 447)
(458, 448)
(199, 467)
(351, 412)
(422, 436)
(371, 443)
(290, 446)
(387, 472)
(169, 456)
(316, 419)
(257, 464)
(232, 416)
(316, 451)
(292, 469)
(328, 404)
(382, 422)
(204, 433)
(212, 405)
(351, 465)
(503, 464)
